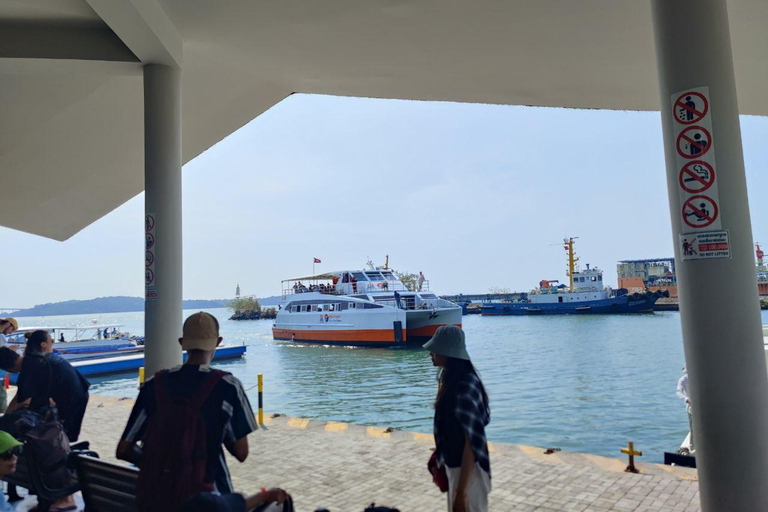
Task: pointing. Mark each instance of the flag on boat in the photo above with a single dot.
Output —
(317, 260)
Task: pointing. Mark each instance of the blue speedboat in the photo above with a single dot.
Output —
(585, 295)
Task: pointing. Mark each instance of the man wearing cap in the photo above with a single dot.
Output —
(10, 449)
(226, 412)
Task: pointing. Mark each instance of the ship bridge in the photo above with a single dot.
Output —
(102, 99)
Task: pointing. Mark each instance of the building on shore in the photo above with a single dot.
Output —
(650, 274)
(659, 274)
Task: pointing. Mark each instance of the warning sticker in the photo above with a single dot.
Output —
(697, 177)
(700, 211)
(694, 142)
(150, 291)
(690, 107)
(705, 246)
(695, 150)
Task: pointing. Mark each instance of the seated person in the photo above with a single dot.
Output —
(225, 412)
(10, 449)
(45, 376)
(10, 360)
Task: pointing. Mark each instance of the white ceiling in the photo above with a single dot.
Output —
(71, 130)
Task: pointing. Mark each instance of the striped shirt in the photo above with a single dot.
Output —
(227, 415)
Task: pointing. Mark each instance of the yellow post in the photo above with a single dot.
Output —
(261, 399)
(630, 450)
(141, 377)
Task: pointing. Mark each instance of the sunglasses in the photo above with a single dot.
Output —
(8, 454)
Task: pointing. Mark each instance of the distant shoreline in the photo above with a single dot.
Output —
(119, 304)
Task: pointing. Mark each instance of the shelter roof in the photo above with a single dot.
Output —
(71, 89)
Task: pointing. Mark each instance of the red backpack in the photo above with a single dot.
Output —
(174, 452)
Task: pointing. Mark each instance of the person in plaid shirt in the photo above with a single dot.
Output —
(461, 415)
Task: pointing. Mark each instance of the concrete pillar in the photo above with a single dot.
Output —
(162, 175)
(718, 297)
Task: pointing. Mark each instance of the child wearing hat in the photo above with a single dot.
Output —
(10, 449)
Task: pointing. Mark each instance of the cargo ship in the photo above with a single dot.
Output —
(585, 294)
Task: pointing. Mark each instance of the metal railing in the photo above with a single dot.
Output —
(357, 287)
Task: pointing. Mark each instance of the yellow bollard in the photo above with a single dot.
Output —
(261, 399)
(141, 377)
(630, 450)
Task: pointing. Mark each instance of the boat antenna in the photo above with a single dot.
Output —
(370, 264)
(386, 263)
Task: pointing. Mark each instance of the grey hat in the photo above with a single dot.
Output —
(448, 341)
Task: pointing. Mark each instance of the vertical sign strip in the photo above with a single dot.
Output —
(149, 257)
(696, 163)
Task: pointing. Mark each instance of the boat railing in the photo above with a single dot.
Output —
(357, 287)
(411, 304)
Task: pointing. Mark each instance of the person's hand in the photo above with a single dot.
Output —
(460, 502)
(277, 495)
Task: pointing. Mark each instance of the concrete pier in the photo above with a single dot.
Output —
(345, 467)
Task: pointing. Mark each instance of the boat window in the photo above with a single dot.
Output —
(594, 278)
(352, 305)
(600, 278)
(388, 276)
(428, 296)
(314, 307)
(338, 307)
(293, 309)
(332, 307)
(359, 276)
(374, 276)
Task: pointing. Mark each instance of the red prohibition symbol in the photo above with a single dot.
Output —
(699, 211)
(693, 142)
(696, 176)
(691, 107)
(149, 277)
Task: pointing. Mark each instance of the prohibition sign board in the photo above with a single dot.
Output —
(149, 221)
(696, 176)
(690, 107)
(149, 277)
(699, 211)
(693, 142)
(150, 258)
(150, 241)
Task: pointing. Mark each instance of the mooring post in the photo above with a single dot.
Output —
(630, 450)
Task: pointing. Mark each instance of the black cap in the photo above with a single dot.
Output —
(208, 502)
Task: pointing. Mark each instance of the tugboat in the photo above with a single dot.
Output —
(584, 295)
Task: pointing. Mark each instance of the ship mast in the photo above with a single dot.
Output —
(572, 259)
(760, 263)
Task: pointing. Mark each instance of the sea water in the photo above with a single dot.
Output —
(579, 383)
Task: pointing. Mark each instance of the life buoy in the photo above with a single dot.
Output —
(379, 285)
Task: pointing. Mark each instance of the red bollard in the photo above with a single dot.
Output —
(7, 382)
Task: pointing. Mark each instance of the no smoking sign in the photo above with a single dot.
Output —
(696, 177)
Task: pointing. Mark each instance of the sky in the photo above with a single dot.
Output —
(474, 196)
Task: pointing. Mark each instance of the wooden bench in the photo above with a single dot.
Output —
(106, 486)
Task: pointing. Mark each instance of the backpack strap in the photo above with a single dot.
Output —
(206, 388)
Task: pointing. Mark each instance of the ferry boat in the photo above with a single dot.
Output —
(584, 295)
(361, 308)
